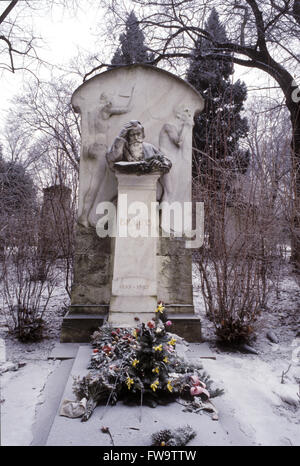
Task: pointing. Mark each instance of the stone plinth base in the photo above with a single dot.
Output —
(174, 271)
(78, 328)
(125, 310)
(186, 326)
(119, 319)
(89, 309)
(92, 268)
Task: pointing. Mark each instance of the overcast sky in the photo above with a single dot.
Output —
(64, 33)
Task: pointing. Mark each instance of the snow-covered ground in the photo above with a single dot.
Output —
(21, 391)
(266, 410)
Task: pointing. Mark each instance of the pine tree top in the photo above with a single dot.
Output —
(132, 48)
(205, 71)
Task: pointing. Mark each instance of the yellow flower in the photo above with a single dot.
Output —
(160, 308)
(172, 341)
(169, 386)
(158, 348)
(154, 385)
(166, 359)
(129, 382)
(156, 369)
(135, 362)
(134, 333)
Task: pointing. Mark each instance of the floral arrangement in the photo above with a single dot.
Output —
(140, 365)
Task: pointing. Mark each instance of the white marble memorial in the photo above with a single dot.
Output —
(165, 106)
(163, 103)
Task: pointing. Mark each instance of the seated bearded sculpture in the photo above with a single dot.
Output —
(130, 154)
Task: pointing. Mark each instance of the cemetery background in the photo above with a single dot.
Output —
(274, 398)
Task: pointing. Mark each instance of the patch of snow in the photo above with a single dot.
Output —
(267, 410)
(251, 390)
(21, 391)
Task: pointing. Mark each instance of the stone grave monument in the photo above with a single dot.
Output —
(136, 153)
(55, 222)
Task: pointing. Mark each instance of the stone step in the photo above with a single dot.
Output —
(78, 328)
(64, 351)
(199, 351)
(52, 395)
(187, 326)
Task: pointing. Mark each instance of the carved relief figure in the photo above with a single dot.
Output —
(94, 154)
(129, 146)
(175, 140)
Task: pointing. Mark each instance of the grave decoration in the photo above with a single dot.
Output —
(173, 437)
(140, 365)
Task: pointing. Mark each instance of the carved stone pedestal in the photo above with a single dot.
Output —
(134, 283)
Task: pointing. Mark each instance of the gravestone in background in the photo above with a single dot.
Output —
(165, 105)
(55, 228)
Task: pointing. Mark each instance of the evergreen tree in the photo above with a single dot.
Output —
(219, 127)
(17, 190)
(132, 48)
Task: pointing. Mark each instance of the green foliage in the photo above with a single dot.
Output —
(220, 126)
(16, 188)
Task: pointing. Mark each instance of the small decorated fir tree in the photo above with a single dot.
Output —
(154, 356)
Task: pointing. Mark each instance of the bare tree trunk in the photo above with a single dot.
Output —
(295, 149)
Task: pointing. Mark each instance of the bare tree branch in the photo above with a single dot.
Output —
(8, 10)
